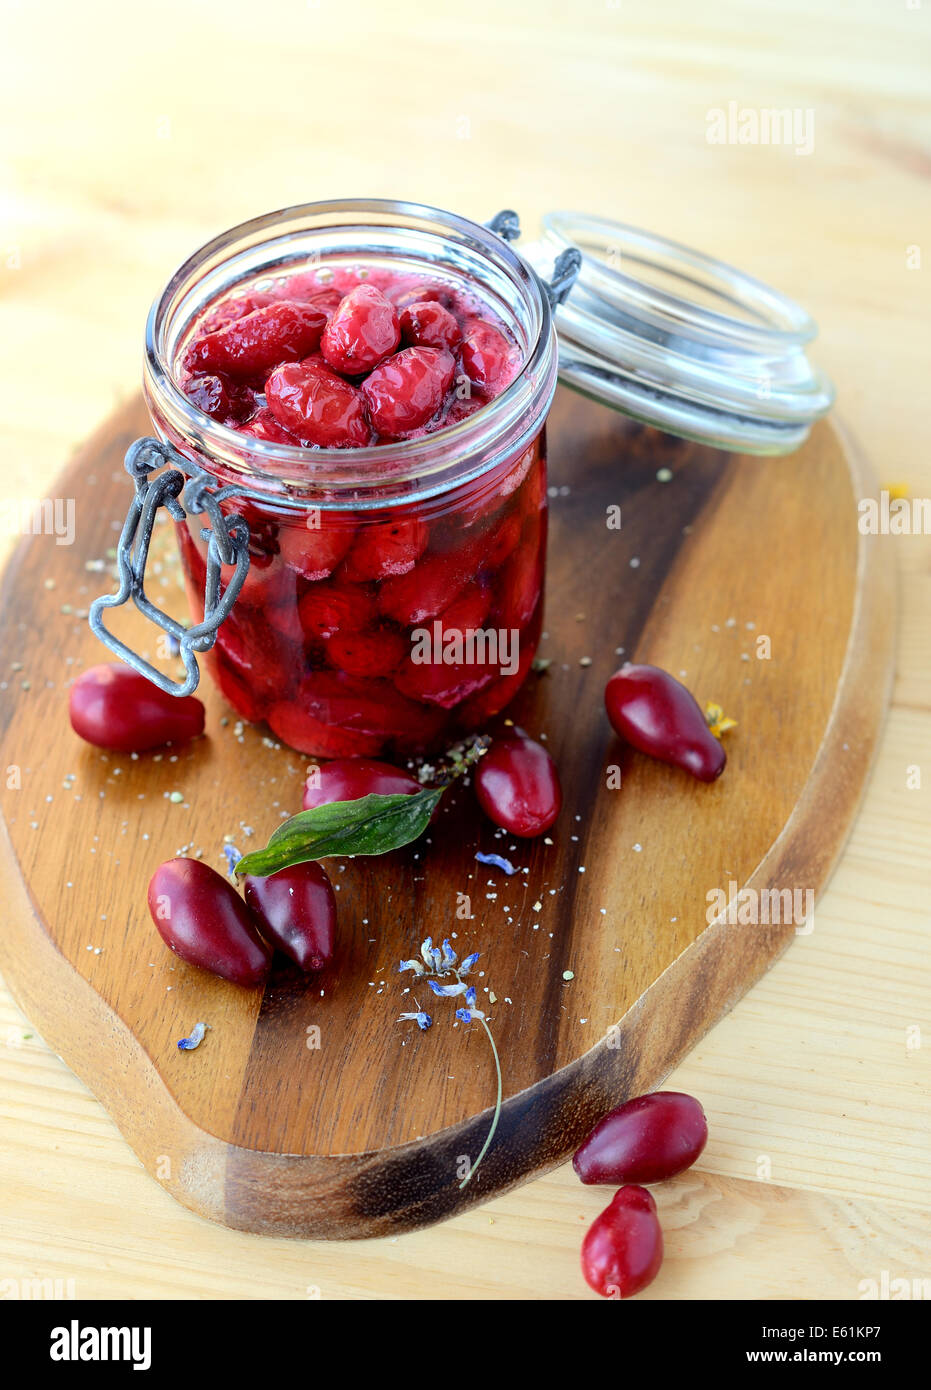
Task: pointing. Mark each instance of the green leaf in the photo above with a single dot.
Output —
(372, 825)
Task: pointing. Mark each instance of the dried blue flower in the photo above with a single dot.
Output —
(195, 1040)
(467, 1015)
(448, 991)
(423, 1020)
(498, 862)
(233, 856)
(437, 965)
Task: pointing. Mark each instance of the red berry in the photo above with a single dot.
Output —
(312, 401)
(478, 709)
(519, 585)
(623, 1249)
(314, 551)
(114, 707)
(376, 652)
(296, 911)
(348, 779)
(428, 324)
(263, 425)
(655, 713)
(420, 293)
(220, 399)
(460, 408)
(385, 548)
(229, 310)
(518, 786)
(308, 734)
(649, 1139)
(448, 682)
(407, 389)
(502, 541)
(444, 684)
(365, 706)
(330, 607)
(264, 647)
(468, 612)
(238, 690)
(205, 921)
(362, 331)
(487, 356)
(281, 332)
(431, 586)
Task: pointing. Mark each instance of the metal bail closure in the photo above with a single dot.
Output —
(227, 544)
(568, 263)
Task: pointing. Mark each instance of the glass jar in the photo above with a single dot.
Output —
(394, 593)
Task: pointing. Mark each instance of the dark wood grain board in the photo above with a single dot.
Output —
(362, 1135)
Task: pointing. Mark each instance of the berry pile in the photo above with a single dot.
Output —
(320, 643)
(341, 359)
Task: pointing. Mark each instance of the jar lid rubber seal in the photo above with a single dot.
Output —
(679, 340)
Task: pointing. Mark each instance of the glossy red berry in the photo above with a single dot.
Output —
(348, 779)
(656, 714)
(385, 548)
(403, 393)
(263, 425)
(487, 356)
(332, 607)
(420, 293)
(428, 324)
(623, 1249)
(296, 912)
(285, 331)
(431, 586)
(220, 398)
(114, 707)
(362, 331)
(376, 652)
(314, 402)
(314, 551)
(648, 1139)
(518, 786)
(201, 917)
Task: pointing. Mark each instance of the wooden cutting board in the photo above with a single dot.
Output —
(599, 952)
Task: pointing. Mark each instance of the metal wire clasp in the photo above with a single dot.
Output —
(228, 544)
(506, 224)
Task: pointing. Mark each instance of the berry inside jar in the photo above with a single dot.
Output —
(369, 631)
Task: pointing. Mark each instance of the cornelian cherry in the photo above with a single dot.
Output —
(428, 324)
(648, 1139)
(296, 912)
(361, 331)
(623, 1249)
(281, 332)
(314, 402)
(201, 917)
(348, 779)
(517, 785)
(656, 714)
(114, 707)
(403, 393)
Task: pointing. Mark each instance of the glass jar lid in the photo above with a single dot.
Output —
(681, 341)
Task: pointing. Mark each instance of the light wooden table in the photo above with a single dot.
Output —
(125, 142)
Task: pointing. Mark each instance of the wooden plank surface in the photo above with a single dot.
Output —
(112, 174)
(605, 967)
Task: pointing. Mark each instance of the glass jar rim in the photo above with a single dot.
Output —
(434, 462)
